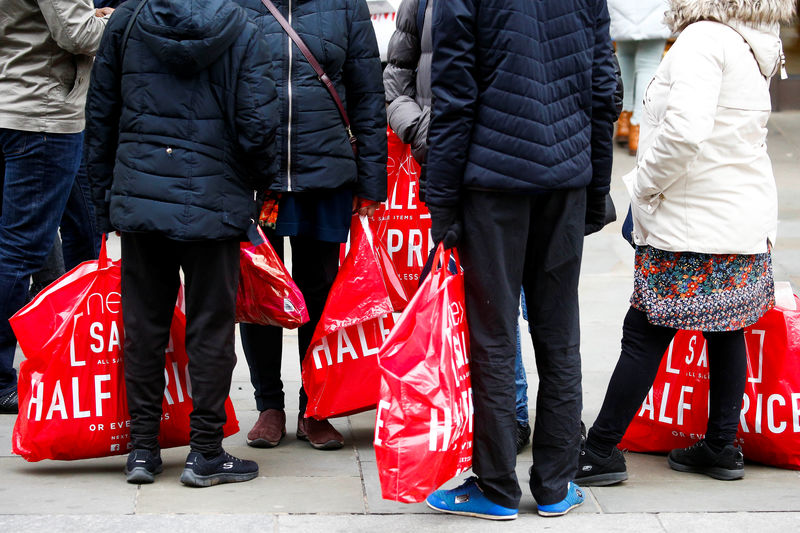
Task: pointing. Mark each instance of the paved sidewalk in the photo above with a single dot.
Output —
(302, 489)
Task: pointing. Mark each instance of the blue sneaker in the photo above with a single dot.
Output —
(469, 500)
(574, 498)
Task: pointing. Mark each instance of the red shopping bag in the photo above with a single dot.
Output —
(72, 402)
(675, 412)
(403, 222)
(423, 427)
(267, 294)
(340, 370)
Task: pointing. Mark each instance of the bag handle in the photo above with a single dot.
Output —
(441, 262)
(127, 32)
(317, 68)
(102, 258)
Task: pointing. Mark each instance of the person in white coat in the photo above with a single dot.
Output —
(638, 29)
(704, 206)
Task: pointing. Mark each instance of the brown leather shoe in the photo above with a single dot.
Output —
(623, 127)
(633, 139)
(319, 433)
(268, 430)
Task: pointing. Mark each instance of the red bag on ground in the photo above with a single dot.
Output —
(340, 370)
(403, 222)
(675, 412)
(267, 294)
(423, 427)
(72, 402)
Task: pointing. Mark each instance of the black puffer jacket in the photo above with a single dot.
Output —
(313, 145)
(407, 77)
(186, 124)
(523, 98)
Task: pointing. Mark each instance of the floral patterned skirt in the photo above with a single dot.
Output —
(706, 292)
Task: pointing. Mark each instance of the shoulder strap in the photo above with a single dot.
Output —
(317, 68)
(127, 32)
(423, 5)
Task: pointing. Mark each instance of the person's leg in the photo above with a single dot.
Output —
(626, 54)
(211, 272)
(492, 251)
(727, 363)
(39, 170)
(81, 240)
(150, 282)
(314, 268)
(520, 384)
(648, 56)
(52, 269)
(263, 348)
(643, 346)
(552, 269)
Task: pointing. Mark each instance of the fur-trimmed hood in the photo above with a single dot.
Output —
(751, 12)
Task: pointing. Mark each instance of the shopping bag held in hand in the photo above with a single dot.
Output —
(423, 427)
(72, 402)
(267, 294)
(675, 412)
(340, 370)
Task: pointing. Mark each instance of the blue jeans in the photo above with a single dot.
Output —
(38, 172)
(638, 62)
(80, 239)
(520, 380)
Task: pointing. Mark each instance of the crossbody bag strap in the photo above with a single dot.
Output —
(317, 68)
(127, 32)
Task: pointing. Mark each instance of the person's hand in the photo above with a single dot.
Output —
(445, 225)
(364, 207)
(595, 213)
(103, 11)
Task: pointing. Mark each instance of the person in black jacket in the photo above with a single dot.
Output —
(180, 136)
(519, 164)
(320, 182)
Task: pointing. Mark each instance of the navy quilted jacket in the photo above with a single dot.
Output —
(312, 142)
(185, 123)
(523, 97)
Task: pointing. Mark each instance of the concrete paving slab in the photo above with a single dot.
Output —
(642, 523)
(93, 486)
(263, 495)
(729, 522)
(653, 487)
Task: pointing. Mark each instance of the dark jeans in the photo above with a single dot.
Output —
(643, 346)
(314, 267)
(79, 236)
(533, 242)
(151, 267)
(38, 172)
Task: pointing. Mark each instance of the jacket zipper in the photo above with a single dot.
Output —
(289, 128)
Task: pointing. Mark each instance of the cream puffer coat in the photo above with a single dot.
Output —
(703, 180)
(45, 62)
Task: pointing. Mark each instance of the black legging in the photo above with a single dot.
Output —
(643, 346)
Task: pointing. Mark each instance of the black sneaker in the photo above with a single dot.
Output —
(597, 471)
(142, 466)
(224, 468)
(523, 435)
(9, 403)
(727, 465)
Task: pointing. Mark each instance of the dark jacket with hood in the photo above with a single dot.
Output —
(181, 127)
(314, 151)
(407, 77)
(523, 98)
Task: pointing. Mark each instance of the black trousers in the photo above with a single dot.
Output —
(536, 242)
(643, 346)
(314, 267)
(150, 282)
